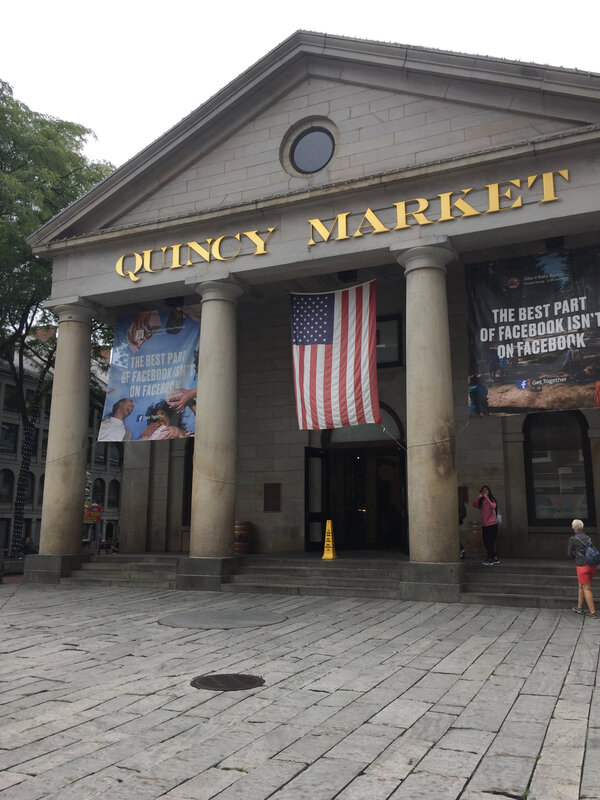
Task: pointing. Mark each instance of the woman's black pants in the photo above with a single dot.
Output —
(489, 539)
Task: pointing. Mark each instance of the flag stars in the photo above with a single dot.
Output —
(312, 318)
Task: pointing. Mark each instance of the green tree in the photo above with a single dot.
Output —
(42, 170)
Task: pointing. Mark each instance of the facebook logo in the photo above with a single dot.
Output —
(523, 384)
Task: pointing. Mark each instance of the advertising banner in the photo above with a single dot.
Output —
(534, 333)
(153, 376)
(92, 512)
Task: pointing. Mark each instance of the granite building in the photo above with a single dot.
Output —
(333, 161)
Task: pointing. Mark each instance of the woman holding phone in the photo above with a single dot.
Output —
(486, 503)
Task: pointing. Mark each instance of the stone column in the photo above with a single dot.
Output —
(135, 488)
(215, 445)
(64, 482)
(431, 461)
(175, 503)
(514, 538)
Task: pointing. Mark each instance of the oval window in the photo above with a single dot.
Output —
(312, 150)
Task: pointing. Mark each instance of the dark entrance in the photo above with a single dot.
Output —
(367, 499)
(358, 480)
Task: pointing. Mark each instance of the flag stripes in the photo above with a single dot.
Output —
(334, 358)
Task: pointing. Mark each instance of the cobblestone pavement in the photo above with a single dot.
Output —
(363, 699)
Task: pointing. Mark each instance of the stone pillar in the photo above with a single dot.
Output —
(175, 503)
(215, 445)
(593, 419)
(514, 540)
(431, 461)
(64, 482)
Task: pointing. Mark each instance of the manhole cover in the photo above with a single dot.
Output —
(204, 619)
(227, 683)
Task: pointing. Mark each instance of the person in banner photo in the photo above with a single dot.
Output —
(154, 375)
(160, 420)
(534, 331)
(478, 397)
(113, 427)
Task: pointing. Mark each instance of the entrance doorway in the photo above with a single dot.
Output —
(358, 480)
(367, 499)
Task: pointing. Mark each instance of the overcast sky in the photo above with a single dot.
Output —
(130, 70)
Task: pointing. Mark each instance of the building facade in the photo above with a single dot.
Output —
(333, 161)
(104, 463)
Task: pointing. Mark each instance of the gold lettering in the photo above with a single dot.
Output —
(342, 224)
(495, 194)
(371, 219)
(197, 248)
(418, 215)
(147, 254)
(261, 244)
(446, 206)
(176, 255)
(216, 248)
(548, 184)
(138, 265)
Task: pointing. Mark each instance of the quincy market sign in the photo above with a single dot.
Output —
(417, 211)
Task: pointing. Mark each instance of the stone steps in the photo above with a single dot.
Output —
(520, 600)
(112, 570)
(310, 575)
(531, 584)
(538, 584)
(310, 589)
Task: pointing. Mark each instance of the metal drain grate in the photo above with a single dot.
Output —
(227, 683)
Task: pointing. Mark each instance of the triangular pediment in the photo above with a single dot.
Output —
(388, 108)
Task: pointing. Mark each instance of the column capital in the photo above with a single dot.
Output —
(429, 256)
(226, 290)
(74, 309)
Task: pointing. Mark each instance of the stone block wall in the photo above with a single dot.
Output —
(271, 448)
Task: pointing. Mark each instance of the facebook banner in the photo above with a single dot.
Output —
(534, 333)
(153, 376)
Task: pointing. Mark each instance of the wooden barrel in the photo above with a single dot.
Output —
(242, 538)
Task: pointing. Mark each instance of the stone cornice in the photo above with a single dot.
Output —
(274, 74)
(549, 143)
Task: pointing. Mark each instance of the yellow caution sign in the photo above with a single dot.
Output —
(329, 551)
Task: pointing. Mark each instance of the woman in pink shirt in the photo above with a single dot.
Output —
(486, 503)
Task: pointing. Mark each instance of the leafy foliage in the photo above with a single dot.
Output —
(42, 170)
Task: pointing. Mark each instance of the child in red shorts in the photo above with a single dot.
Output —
(578, 544)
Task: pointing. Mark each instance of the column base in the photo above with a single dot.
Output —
(50, 568)
(436, 583)
(204, 574)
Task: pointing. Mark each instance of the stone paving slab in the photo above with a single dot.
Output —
(369, 699)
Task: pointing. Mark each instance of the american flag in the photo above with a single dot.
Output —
(335, 363)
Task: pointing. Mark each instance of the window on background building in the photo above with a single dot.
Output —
(40, 497)
(35, 444)
(9, 435)
(114, 454)
(45, 444)
(89, 451)
(114, 494)
(4, 534)
(558, 468)
(100, 454)
(11, 399)
(98, 491)
(30, 489)
(7, 486)
(91, 417)
(47, 404)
